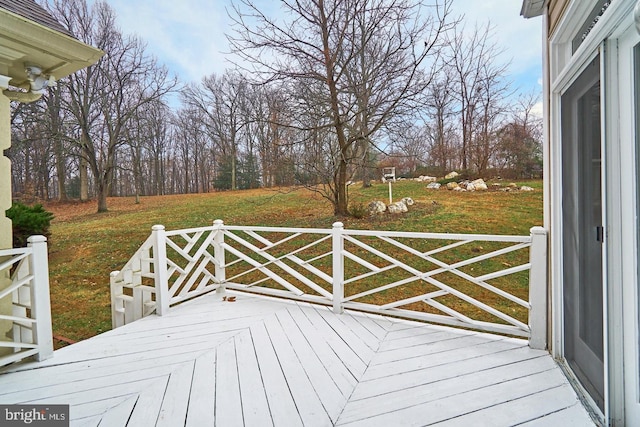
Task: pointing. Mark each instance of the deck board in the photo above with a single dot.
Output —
(263, 361)
(228, 400)
(203, 390)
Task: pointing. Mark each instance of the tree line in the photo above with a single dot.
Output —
(323, 94)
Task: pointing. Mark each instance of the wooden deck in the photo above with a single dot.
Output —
(258, 362)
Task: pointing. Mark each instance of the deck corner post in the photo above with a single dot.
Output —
(338, 266)
(218, 254)
(117, 317)
(160, 269)
(40, 299)
(538, 289)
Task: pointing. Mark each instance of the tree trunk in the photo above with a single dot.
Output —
(84, 180)
(341, 207)
(61, 174)
(102, 198)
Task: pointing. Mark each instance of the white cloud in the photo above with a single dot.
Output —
(520, 38)
(189, 35)
(536, 110)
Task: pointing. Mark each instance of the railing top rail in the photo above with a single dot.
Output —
(177, 232)
(440, 236)
(355, 232)
(277, 229)
(15, 251)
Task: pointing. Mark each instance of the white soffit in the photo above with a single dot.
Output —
(532, 8)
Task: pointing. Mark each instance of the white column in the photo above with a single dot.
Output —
(6, 235)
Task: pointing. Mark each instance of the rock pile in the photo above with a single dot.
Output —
(379, 207)
(425, 178)
(475, 185)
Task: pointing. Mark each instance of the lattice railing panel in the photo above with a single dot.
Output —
(28, 292)
(445, 278)
(295, 263)
(190, 263)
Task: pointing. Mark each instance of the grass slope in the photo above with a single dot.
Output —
(85, 247)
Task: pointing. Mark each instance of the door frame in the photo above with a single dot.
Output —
(581, 244)
(564, 67)
(629, 213)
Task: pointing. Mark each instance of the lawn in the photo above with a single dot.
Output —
(85, 246)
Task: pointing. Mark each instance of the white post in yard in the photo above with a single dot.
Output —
(160, 269)
(538, 289)
(338, 267)
(40, 300)
(218, 254)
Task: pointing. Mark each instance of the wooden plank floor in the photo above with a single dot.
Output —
(259, 362)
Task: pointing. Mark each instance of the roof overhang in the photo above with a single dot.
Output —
(532, 8)
(24, 42)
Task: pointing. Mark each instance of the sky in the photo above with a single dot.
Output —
(188, 36)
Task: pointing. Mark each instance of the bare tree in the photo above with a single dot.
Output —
(519, 150)
(438, 116)
(478, 86)
(105, 97)
(362, 62)
(220, 100)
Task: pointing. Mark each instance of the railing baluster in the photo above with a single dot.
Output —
(538, 289)
(160, 269)
(40, 300)
(338, 266)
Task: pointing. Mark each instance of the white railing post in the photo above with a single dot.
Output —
(338, 266)
(160, 269)
(117, 308)
(538, 289)
(218, 254)
(40, 299)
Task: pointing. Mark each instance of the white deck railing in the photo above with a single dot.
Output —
(485, 282)
(28, 292)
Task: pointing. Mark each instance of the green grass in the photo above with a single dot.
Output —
(85, 247)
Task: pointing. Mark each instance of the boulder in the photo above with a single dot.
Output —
(426, 178)
(408, 201)
(397, 207)
(376, 207)
(526, 188)
(479, 185)
(452, 185)
(470, 186)
(451, 175)
(433, 186)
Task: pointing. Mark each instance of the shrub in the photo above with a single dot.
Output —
(27, 221)
(358, 210)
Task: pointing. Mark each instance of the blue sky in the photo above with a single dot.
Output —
(189, 35)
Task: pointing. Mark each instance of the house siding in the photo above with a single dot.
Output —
(556, 11)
